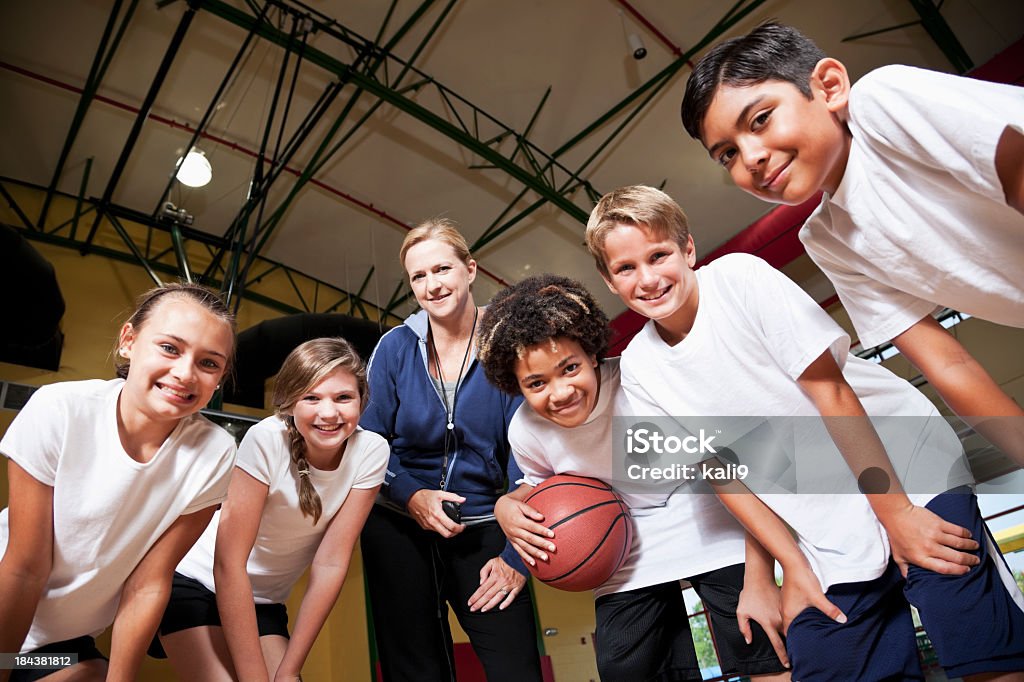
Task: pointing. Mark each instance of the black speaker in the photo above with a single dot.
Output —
(33, 305)
(263, 347)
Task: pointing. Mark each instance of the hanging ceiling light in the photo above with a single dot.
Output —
(194, 169)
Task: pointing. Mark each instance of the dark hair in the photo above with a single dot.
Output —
(148, 302)
(772, 51)
(305, 367)
(536, 310)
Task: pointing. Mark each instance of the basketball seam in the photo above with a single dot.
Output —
(592, 507)
(587, 558)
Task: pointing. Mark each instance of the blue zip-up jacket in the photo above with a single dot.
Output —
(406, 408)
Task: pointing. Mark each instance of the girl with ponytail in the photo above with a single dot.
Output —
(304, 482)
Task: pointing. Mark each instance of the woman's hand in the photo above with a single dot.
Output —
(499, 585)
(425, 507)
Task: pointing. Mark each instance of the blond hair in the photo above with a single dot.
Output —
(636, 205)
(436, 228)
(305, 367)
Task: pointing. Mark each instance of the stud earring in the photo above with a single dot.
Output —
(123, 352)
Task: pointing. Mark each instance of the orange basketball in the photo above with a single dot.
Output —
(593, 531)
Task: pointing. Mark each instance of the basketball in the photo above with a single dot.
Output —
(593, 531)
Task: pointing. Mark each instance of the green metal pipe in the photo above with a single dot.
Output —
(17, 210)
(92, 83)
(179, 253)
(81, 195)
(127, 239)
(140, 118)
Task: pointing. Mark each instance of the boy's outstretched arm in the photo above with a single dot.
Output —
(521, 524)
(1010, 166)
(965, 385)
(917, 535)
(800, 587)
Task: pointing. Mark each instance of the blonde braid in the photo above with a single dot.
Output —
(309, 500)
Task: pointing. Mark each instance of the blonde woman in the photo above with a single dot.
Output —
(431, 541)
(304, 481)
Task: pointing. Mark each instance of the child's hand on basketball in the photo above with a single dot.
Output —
(499, 585)
(425, 507)
(801, 590)
(919, 536)
(761, 602)
(521, 524)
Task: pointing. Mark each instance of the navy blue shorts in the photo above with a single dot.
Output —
(192, 605)
(972, 620)
(876, 643)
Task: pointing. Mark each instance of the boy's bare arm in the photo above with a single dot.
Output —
(1010, 167)
(917, 535)
(800, 587)
(964, 384)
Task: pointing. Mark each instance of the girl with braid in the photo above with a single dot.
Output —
(303, 484)
(545, 338)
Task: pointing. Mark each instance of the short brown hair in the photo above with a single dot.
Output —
(636, 205)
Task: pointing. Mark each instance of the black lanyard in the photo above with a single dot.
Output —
(449, 410)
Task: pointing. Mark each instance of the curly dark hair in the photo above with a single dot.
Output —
(533, 311)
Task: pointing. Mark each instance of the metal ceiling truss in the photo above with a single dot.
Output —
(373, 70)
(310, 295)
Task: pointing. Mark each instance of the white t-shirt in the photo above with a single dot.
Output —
(675, 536)
(287, 540)
(108, 509)
(920, 219)
(754, 334)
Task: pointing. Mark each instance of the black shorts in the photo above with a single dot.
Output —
(645, 633)
(84, 646)
(192, 606)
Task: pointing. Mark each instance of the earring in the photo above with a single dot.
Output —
(123, 352)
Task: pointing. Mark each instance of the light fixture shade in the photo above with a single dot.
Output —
(194, 170)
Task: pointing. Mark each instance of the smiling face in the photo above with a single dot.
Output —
(176, 359)
(654, 277)
(776, 143)
(439, 279)
(559, 381)
(326, 415)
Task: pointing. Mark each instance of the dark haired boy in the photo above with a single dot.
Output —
(544, 338)
(923, 174)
